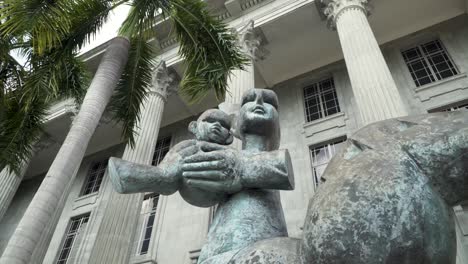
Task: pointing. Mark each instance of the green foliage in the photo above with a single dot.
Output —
(20, 127)
(142, 17)
(208, 46)
(49, 74)
(50, 32)
(46, 21)
(133, 87)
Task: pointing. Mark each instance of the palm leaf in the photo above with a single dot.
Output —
(210, 49)
(142, 17)
(87, 17)
(133, 87)
(20, 126)
(46, 21)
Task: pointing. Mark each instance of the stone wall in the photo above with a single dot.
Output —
(181, 228)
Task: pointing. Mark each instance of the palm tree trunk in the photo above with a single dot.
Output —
(39, 215)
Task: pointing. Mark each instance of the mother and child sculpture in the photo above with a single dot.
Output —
(386, 199)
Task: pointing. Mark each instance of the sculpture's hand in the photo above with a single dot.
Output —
(174, 159)
(213, 168)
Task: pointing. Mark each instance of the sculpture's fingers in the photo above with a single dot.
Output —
(203, 175)
(189, 150)
(204, 166)
(207, 146)
(207, 185)
(204, 156)
(184, 144)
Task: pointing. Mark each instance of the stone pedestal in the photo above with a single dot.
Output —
(375, 90)
(117, 227)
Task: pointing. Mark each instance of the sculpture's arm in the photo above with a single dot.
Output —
(267, 170)
(129, 177)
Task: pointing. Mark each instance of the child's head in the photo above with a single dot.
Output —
(213, 126)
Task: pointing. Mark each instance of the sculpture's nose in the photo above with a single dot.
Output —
(258, 98)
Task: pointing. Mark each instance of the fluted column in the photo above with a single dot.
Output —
(242, 80)
(375, 90)
(9, 182)
(116, 232)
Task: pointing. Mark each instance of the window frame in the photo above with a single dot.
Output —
(66, 235)
(321, 105)
(326, 143)
(168, 139)
(144, 226)
(425, 58)
(450, 107)
(88, 176)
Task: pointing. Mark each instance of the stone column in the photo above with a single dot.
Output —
(115, 236)
(242, 80)
(375, 90)
(10, 181)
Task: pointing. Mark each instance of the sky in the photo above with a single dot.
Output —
(110, 29)
(107, 32)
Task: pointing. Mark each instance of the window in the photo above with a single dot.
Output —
(162, 147)
(454, 107)
(148, 214)
(73, 237)
(320, 100)
(321, 155)
(95, 176)
(457, 107)
(429, 62)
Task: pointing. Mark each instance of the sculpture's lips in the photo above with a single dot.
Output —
(259, 109)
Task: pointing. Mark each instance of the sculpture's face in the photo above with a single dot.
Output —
(213, 126)
(259, 113)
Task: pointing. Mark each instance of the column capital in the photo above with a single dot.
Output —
(332, 9)
(251, 41)
(164, 81)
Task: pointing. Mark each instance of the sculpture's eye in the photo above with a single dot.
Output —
(274, 103)
(270, 98)
(250, 97)
(224, 123)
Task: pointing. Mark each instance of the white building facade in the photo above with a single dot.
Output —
(336, 66)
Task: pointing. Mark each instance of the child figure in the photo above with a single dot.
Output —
(212, 126)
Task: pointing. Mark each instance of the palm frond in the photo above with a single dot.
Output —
(87, 17)
(47, 21)
(20, 126)
(11, 71)
(210, 49)
(133, 87)
(56, 75)
(142, 17)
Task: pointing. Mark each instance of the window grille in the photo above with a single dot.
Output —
(320, 100)
(148, 214)
(95, 176)
(457, 107)
(162, 147)
(321, 155)
(429, 62)
(73, 237)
